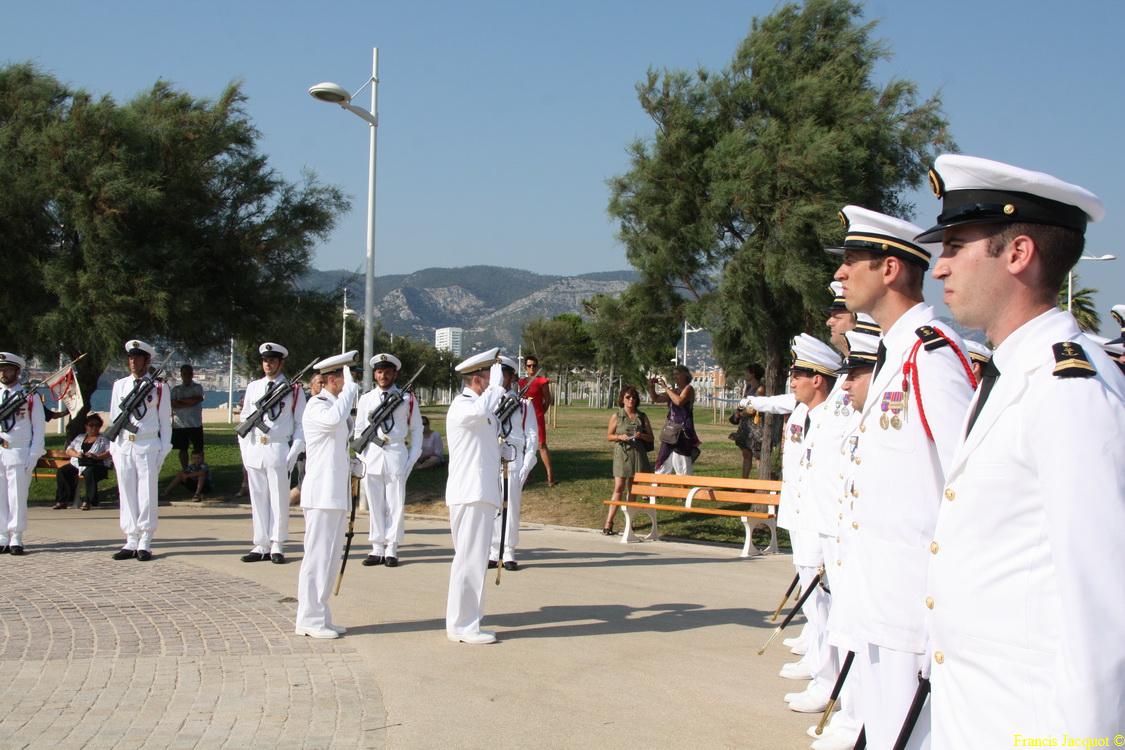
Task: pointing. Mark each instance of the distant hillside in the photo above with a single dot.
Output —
(491, 303)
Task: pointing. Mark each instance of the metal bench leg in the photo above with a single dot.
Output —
(654, 534)
(627, 534)
(748, 548)
(772, 525)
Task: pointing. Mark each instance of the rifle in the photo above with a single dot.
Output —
(351, 523)
(262, 406)
(789, 617)
(135, 398)
(507, 407)
(16, 402)
(380, 414)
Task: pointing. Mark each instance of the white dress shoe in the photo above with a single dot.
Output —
(338, 628)
(800, 649)
(795, 670)
(791, 696)
(836, 725)
(317, 632)
(795, 642)
(809, 702)
(836, 741)
(482, 637)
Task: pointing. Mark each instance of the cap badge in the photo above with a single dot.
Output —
(843, 219)
(1009, 209)
(936, 184)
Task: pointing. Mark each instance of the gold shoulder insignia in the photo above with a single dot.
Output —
(1120, 320)
(931, 339)
(1071, 361)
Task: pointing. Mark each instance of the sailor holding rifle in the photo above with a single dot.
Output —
(21, 445)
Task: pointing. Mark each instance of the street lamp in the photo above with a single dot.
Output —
(687, 330)
(332, 93)
(347, 313)
(1070, 275)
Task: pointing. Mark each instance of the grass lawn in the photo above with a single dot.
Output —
(580, 455)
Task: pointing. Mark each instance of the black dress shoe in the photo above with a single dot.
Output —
(144, 555)
(277, 558)
(15, 549)
(124, 554)
(511, 565)
(492, 564)
(390, 562)
(254, 557)
(373, 560)
(4, 549)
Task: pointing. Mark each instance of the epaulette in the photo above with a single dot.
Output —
(321, 398)
(931, 339)
(1071, 361)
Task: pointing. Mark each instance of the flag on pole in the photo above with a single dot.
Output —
(64, 388)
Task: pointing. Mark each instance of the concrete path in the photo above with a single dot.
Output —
(601, 645)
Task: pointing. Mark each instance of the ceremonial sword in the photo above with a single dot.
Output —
(789, 617)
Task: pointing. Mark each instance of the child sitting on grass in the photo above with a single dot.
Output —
(196, 477)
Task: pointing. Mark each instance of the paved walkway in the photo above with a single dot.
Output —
(602, 645)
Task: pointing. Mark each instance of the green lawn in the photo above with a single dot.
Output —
(581, 457)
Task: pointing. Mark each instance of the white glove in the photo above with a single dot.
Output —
(507, 453)
(496, 375)
(744, 403)
(348, 379)
(357, 467)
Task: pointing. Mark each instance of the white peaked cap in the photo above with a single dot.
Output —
(810, 353)
(481, 361)
(882, 235)
(336, 361)
(386, 359)
(7, 358)
(136, 346)
(270, 349)
(507, 362)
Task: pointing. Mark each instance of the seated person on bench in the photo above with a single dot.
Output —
(89, 459)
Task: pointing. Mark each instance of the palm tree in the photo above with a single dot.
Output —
(1082, 306)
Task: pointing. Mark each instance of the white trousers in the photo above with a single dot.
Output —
(676, 463)
(14, 483)
(386, 501)
(512, 533)
(138, 475)
(471, 526)
(324, 544)
(818, 654)
(888, 681)
(847, 717)
(269, 506)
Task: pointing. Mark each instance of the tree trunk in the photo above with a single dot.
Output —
(87, 372)
(774, 381)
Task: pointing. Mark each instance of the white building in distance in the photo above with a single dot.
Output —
(448, 339)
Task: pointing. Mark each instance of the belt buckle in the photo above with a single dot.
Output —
(6, 445)
(131, 438)
(264, 440)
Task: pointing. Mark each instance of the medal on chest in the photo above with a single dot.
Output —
(894, 403)
(795, 432)
(843, 406)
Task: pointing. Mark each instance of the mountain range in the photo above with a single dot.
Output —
(491, 304)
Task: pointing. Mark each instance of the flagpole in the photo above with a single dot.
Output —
(61, 427)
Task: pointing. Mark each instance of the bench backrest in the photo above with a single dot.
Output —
(712, 489)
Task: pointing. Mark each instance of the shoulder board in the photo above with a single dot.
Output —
(321, 398)
(1071, 361)
(931, 339)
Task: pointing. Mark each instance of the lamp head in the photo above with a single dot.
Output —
(330, 92)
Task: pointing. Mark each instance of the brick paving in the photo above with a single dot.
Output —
(96, 653)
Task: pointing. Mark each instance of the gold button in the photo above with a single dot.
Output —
(863, 428)
(855, 524)
(929, 602)
(857, 461)
(837, 539)
(933, 547)
(949, 493)
(840, 516)
(855, 492)
(939, 657)
(839, 562)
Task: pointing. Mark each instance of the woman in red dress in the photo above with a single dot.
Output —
(540, 395)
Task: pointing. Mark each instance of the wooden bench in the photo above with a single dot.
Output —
(49, 464)
(650, 493)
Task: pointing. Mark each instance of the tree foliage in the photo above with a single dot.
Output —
(157, 218)
(730, 203)
(1082, 306)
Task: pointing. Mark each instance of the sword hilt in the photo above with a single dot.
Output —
(824, 719)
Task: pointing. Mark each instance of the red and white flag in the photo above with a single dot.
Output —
(64, 389)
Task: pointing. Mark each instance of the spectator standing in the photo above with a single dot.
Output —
(748, 436)
(540, 395)
(679, 445)
(630, 431)
(89, 459)
(187, 415)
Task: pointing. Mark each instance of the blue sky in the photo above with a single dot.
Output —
(501, 121)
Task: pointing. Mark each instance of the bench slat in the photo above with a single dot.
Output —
(682, 509)
(694, 480)
(718, 496)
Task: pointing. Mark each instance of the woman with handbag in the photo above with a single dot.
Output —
(89, 459)
(679, 444)
(631, 434)
(748, 436)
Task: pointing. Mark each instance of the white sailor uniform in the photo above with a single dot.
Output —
(269, 458)
(898, 481)
(472, 493)
(1023, 604)
(325, 499)
(137, 459)
(21, 445)
(388, 467)
(524, 439)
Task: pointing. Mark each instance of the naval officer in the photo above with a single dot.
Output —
(473, 491)
(269, 457)
(522, 434)
(138, 454)
(918, 395)
(325, 495)
(387, 466)
(21, 445)
(1024, 601)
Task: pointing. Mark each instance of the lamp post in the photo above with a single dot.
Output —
(335, 94)
(1070, 276)
(687, 330)
(347, 313)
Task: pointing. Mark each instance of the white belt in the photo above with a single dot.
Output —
(134, 438)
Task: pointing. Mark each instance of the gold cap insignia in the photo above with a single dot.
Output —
(936, 184)
(843, 219)
(1009, 209)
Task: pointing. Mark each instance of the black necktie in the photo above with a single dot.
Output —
(880, 359)
(11, 421)
(389, 422)
(142, 407)
(274, 412)
(988, 378)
